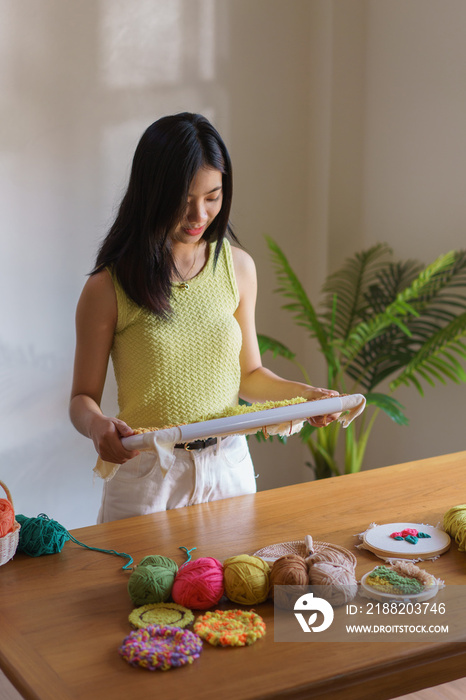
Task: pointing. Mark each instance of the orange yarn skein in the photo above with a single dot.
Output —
(7, 517)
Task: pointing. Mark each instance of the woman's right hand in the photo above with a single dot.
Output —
(106, 434)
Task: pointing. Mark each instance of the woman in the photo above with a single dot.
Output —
(173, 303)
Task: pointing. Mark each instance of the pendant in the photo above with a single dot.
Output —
(183, 285)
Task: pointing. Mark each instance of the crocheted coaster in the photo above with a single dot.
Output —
(233, 628)
(160, 647)
(161, 614)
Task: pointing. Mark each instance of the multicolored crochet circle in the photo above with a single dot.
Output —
(233, 628)
(161, 648)
(161, 614)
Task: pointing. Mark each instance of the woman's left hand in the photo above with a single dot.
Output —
(318, 393)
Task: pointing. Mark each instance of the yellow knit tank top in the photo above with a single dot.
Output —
(178, 370)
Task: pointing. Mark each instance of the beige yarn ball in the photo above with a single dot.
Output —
(334, 572)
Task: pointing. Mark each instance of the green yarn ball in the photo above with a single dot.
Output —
(159, 560)
(152, 580)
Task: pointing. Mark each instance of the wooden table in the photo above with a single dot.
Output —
(63, 616)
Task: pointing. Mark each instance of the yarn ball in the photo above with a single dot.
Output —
(158, 560)
(7, 517)
(454, 522)
(334, 574)
(41, 535)
(152, 580)
(199, 583)
(247, 579)
(289, 570)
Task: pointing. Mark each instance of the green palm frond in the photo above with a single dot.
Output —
(389, 281)
(278, 349)
(382, 320)
(300, 306)
(378, 361)
(439, 298)
(392, 349)
(437, 359)
(427, 283)
(387, 352)
(389, 405)
(350, 285)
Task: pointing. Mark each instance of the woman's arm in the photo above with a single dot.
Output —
(96, 317)
(257, 382)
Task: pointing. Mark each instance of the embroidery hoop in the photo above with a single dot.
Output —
(283, 420)
(378, 541)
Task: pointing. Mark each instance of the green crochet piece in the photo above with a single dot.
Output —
(384, 578)
(252, 408)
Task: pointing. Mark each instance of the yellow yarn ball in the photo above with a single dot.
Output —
(246, 579)
(454, 522)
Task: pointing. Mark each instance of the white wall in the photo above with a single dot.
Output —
(394, 73)
(413, 180)
(345, 124)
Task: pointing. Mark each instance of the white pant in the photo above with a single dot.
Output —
(142, 486)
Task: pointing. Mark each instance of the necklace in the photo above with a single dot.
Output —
(184, 284)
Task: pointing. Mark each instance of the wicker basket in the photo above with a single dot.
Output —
(9, 542)
(275, 551)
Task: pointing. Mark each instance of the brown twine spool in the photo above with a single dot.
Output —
(289, 570)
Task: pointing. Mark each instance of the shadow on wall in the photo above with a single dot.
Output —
(80, 82)
(45, 463)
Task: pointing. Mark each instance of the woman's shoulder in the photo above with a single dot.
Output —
(243, 262)
(245, 272)
(99, 293)
(100, 283)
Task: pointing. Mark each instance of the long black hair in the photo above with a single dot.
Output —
(137, 246)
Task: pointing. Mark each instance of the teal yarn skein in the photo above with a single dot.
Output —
(152, 580)
(42, 535)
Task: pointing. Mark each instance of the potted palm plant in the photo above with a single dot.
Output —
(381, 322)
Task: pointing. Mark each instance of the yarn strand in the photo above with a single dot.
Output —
(106, 551)
(188, 554)
(42, 535)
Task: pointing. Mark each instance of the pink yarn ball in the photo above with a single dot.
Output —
(199, 584)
